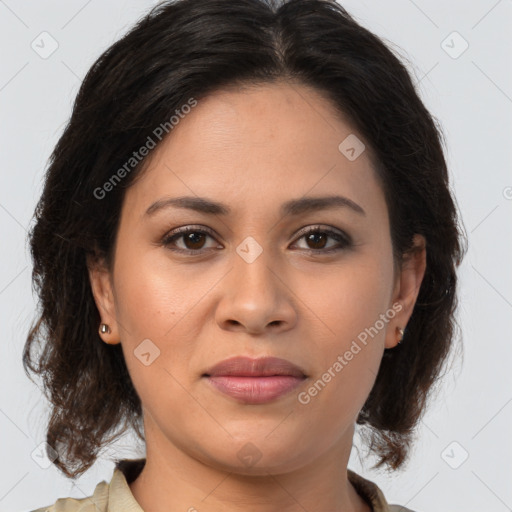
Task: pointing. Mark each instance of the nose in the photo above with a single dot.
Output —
(256, 297)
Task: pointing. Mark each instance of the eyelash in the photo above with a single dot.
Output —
(169, 238)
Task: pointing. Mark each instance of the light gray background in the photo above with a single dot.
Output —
(470, 95)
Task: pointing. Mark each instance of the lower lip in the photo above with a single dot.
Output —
(255, 390)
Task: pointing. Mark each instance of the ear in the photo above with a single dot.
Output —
(407, 287)
(102, 290)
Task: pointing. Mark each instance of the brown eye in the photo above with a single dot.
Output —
(193, 240)
(317, 240)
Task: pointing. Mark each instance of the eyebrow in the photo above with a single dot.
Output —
(292, 207)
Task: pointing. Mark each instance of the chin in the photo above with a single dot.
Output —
(258, 458)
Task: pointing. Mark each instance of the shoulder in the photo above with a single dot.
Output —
(95, 503)
(373, 494)
(115, 496)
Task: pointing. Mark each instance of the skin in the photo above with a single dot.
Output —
(253, 149)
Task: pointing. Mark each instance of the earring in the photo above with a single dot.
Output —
(105, 329)
(401, 332)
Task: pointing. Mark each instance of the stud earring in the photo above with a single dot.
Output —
(105, 329)
(401, 332)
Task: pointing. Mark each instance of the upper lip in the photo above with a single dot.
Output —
(247, 367)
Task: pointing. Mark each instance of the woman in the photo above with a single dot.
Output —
(246, 245)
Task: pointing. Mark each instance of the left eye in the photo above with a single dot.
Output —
(318, 236)
(194, 240)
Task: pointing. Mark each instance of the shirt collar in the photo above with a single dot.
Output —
(369, 491)
(120, 497)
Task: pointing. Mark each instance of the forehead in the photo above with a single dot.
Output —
(259, 145)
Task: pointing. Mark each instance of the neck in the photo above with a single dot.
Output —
(173, 479)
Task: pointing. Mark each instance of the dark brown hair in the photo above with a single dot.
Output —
(191, 48)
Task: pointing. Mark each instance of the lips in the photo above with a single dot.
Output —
(247, 367)
(255, 381)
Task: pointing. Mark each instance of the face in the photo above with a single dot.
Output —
(250, 280)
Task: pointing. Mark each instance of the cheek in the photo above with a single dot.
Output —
(349, 299)
(154, 302)
(151, 308)
(149, 297)
(351, 333)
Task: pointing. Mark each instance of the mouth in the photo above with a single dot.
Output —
(255, 381)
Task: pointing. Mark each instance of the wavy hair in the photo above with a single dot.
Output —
(192, 48)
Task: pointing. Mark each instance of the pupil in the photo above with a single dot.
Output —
(314, 235)
(193, 237)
